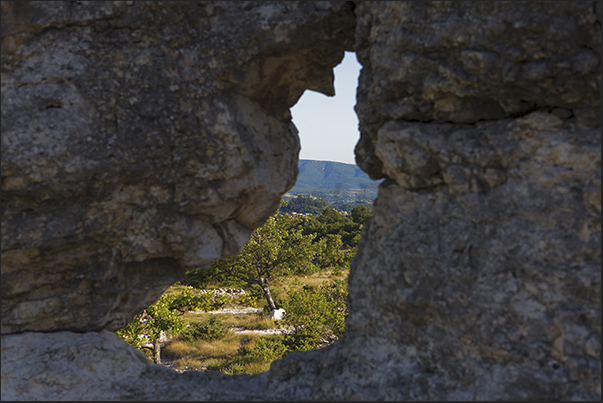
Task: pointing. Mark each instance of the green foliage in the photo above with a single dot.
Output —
(360, 214)
(266, 349)
(288, 245)
(163, 316)
(252, 356)
(334, 223)
(331, 255)
(256, 293)
(299, 250)
(209, 330)
(210, 276)
(304, 205)
(249, 299)
(348, 206)
(275, 250)
(317, 313)
(222, 299)
(285, 245)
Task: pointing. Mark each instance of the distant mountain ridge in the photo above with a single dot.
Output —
(334, 180)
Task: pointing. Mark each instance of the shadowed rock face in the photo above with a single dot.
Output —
(142, 139)
(139, 139)
(485, 119)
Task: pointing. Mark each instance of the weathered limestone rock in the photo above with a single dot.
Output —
(67, 365)
(277, 314)
(142, 138)
(466, 62)
(483, 258)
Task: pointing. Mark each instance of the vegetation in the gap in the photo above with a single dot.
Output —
(304, 205)
(295, 262)
(275, 250)
(164, 316)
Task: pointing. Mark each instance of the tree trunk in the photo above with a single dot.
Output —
(268, 296)
(156, 351)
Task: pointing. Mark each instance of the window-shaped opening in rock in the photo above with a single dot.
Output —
(328, 126)
(286, 291)
(328, 131)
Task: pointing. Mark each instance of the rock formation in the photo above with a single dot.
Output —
(140, 139)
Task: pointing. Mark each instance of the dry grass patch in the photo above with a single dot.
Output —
(231, 354)
(297, 282)
(200, 354)
(219, 355)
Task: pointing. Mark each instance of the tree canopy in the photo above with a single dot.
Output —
(304, 205)
(274, 250)
(285, 245)
(288, 245)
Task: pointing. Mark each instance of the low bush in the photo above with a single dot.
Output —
(254, 356)
(317, 314)
(265, 350)
(209, 330)
(248, 300)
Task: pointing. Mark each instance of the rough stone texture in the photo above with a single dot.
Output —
(483, 258)
(82, 357)
(478, 277)
(140, 139)
(494, 291)
(465, 62)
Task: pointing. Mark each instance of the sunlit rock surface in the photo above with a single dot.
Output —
(139, 139)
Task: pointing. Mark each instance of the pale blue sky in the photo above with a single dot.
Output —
(328, 126)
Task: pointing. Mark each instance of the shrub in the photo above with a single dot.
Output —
(222, 299)
(317, 313)
(248, 300)
(266, 349)
(209, 330)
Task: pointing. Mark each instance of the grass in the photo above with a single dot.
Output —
(228, 354)
(201, 354)
(225, 355)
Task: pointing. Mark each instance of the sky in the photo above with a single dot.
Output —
(328, 126)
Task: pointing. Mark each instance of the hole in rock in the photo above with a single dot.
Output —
(328, 131)
(229, 317)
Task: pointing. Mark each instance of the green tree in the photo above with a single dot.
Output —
(275, 250)
(209, 330)
(360, 214)
(331, 253)
(145, 329)
(304, 205)
(332, 222)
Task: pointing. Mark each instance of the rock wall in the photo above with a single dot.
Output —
(485, 119)
(140, 139)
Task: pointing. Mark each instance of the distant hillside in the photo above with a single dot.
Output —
(335, 181)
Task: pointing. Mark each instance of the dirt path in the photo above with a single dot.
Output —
(242, 330)
(230, 310)
(277, 330)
